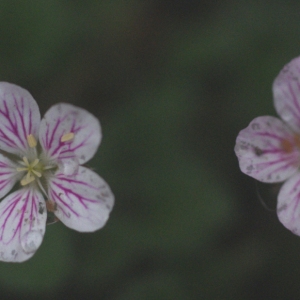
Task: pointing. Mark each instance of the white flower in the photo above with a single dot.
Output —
(45, 157)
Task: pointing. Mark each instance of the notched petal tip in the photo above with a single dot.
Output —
(84, 201)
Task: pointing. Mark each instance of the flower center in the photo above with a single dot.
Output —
(288, 145)
(33, 166)
(33, 170)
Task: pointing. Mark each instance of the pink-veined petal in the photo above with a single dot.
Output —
(286, 91)
(267, 150)
(63, 119)
(83, 201)
(22, 224)
(8, 175)
(19, 117)
(288, 205)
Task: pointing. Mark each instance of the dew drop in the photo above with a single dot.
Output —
(286, 114)
(69, 166)
(31, 241)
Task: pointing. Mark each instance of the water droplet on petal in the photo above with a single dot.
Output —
(31, 241)
(69, 166)
(286, 114)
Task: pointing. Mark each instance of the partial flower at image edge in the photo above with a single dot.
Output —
(269, 148)
(45, 157)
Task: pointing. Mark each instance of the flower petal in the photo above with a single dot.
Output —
(19, 117)
(288, 206)
(22, 224)
(286, 91)
(69, 130)
(83, 201)
(8, 175)
(267, 150)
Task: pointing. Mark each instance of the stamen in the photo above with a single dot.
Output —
(25, 159)
(22, 169)
(27, 179)
(67, 137)
(35, 162)
(49, 167)
(38, 174)
(28, 176)
(42, 188)
(31, 141)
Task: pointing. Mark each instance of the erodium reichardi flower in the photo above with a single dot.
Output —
(44, 158)
(269, 148)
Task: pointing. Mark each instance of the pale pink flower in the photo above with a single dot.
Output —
(269, 148)
(44, 158)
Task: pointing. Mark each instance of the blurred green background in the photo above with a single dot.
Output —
(172, 82)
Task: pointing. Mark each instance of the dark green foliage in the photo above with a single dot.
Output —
(172, 83)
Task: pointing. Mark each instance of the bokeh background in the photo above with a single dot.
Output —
(172, 83)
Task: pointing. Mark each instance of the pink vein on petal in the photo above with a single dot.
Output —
(84, 200)
(63, 119)
(19, 117)
(65, 204)
(69, 191)
(22, 217)
(22, 120)
(11, 209)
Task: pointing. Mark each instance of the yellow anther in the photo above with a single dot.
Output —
(29, 167)
(27, 179)
(34, 163)
(28, 176)
(67, 137)
(31, 141)
(38, 174)
(25, 159)
(22, 169)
